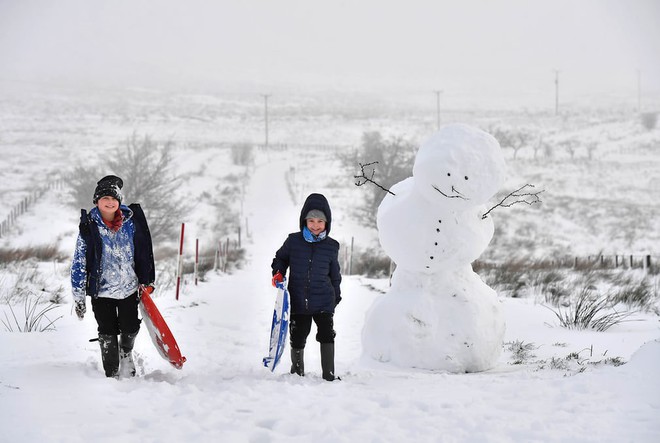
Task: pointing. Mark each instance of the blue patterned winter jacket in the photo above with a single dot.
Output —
(111, 264)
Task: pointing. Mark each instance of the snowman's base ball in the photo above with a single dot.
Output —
(449, 322)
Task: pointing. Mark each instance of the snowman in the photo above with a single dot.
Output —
(438, 314)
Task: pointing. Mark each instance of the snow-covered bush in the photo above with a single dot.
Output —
(41, 253)
(370, 262)
(521, 352)
(636, 293)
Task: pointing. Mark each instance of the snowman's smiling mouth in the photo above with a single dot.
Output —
(454, 191)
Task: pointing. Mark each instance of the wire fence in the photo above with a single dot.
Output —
(26, 204)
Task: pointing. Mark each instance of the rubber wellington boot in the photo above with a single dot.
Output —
(297, 363)
(328, 361)
(126, 363)
(109, 354)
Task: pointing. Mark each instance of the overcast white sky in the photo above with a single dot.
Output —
(507, 46)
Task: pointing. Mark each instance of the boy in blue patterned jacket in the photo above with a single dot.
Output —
(312, 259)
(113, 257)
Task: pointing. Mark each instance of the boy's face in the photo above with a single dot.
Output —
(108, 206)
(316, 225)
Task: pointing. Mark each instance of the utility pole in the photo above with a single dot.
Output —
(265, 96)
(639, 91)
(437, 96)
(556, 92)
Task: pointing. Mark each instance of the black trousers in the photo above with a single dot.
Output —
(116, 316)
(301, 324)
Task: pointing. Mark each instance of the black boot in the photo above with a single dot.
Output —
(109, 354)
(297, 363)
(126, 364)
(328, 361)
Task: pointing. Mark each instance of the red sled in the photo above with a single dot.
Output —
(159, 332)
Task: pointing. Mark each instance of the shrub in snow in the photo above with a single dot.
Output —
(649, 120)
(34, 317)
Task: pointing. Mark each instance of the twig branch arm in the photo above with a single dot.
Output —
(363, 178)
(528, 198)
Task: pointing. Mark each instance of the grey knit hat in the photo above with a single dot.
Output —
(316, 213)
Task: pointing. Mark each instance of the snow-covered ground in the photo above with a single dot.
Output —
(52, 388)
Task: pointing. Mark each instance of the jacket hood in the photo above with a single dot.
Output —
(316, 201)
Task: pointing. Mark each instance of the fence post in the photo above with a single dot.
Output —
(226, 256)
(196, 259)
(631, 261)
(216, 259)
(391, 271)
(179, 267)
(350, 257)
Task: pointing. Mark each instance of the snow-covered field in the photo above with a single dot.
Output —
(569, 386)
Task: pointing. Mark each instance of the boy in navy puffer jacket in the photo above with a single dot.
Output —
(312, 259)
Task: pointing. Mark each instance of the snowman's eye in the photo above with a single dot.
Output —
(466, 177)
(449, 174)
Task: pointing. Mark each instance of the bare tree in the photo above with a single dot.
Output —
(146, 170)
(649, 120)
(591, 148)
(570, 146)
(538, 146)
(548, 150)
(395, 158)
(515, 140)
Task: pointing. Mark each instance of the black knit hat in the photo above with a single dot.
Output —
(110, 185)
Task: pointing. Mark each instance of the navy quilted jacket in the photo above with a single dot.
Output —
(314, 275)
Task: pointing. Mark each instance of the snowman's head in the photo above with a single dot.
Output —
(459, 166)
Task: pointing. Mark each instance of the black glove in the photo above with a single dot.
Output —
(81, 308)
(337, 300)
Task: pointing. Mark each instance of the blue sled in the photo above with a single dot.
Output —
(279, 327)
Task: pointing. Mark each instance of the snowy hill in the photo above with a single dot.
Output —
(551, 384)
(52, 387)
